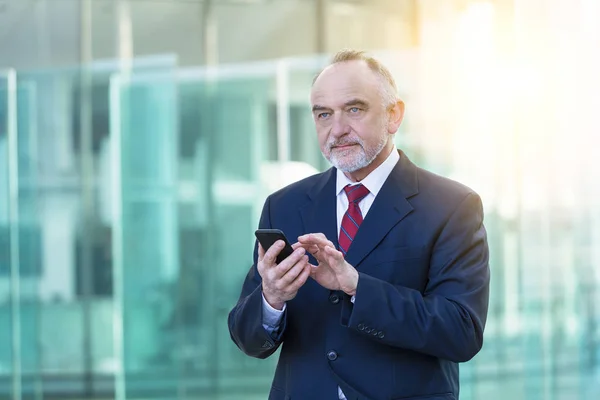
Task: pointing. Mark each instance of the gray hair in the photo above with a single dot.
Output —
(389, 91)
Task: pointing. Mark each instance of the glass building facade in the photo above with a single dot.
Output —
(130, 188)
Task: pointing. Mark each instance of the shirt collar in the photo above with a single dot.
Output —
(375, 180)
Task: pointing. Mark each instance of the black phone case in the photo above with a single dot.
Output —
(267, 237)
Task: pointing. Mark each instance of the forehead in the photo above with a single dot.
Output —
(343, 81)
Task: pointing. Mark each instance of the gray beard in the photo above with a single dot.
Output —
(361, 160)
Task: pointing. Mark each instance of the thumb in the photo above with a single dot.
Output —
(334, 258)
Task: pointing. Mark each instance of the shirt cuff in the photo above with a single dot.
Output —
(352, 299)
(271, 316)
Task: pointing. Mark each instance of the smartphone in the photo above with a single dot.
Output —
(267, 237)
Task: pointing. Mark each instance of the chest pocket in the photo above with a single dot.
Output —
(388, 254)
(404, 266)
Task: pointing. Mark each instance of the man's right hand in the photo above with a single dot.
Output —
(281, 282)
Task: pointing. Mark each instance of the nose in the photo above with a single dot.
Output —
(339, 126)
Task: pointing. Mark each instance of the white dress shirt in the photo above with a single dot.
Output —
(374, 182)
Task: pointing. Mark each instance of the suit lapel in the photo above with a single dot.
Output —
(320, 215)
(388, 209)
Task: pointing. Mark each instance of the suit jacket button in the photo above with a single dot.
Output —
(334, 298)
(368, 330)
(380, 335)
(361, 327)
(332, 355)
(375, 332)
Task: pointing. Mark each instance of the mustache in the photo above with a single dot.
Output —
(343, 143)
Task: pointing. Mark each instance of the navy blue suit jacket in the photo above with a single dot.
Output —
(421, 302)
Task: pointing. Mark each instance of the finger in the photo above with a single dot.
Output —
(291, 275)
(314, 269)
(334, 258)
(312, 237)
(289, 262)
(261, 252)
(334, 254)
(302, 277)
(315, 238)
(273, 252)
(311, 248)
(314, 249)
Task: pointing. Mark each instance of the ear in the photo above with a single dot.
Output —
(396, 115)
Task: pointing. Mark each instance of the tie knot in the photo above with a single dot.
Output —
(356, 193)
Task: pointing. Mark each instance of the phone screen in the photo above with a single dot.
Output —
(267, 237)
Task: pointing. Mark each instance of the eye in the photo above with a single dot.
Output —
(323, 115)
(354, 110)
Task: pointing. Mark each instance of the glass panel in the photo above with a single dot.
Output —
(240, 126)
(20, 240)
(304, 146)
(179, 198)
(147, 254)
(29, 239)
(63, 233)
(6, 322)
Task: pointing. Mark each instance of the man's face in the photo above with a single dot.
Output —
(351, 120)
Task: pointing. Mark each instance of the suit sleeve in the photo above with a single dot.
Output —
(448, 319)
(245, 320)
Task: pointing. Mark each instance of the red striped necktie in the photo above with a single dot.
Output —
(353, 217)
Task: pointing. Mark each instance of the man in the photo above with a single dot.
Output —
(387, 288)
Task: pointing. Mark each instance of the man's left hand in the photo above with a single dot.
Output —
(333, 272)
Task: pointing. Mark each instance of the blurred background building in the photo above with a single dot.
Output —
(139, 138)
